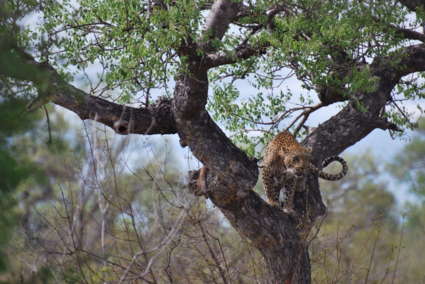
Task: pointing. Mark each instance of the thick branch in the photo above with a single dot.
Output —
(351, 124)
(157, 119)
(412, 4)
(330, 95)
(409, 34)
(412, 60)
(241, 52)
(194, 125)
(223, 12)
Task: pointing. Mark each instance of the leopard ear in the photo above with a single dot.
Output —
(309, 150)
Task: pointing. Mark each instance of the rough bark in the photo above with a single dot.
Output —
(156, 119)
(232, 174)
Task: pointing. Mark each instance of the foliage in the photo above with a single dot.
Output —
(15, 121)
(408, 168)
(410, 162)
(133, 45)
(349, 32)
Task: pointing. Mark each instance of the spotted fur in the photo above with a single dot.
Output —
(285, 166)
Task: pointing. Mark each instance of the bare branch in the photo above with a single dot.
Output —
(410, 34)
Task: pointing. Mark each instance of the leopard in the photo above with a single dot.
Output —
(285, 167)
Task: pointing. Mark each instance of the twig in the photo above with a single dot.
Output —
(388, 266)
(373, 251)
(399, 249)
(338, 255)
(213, 255)
(48, 125)
(305, 113)
(404, 115)
(357, 256)
(161, 247)
(301, 124)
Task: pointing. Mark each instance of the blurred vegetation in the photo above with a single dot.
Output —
(87, 208)
(12, 171)
(79, 209)
(368, 236)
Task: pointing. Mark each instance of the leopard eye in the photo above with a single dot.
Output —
(296, 159)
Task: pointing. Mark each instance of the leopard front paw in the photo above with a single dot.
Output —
(274, 204)
(290, 212)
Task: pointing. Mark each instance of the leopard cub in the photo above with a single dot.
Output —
(285, 166)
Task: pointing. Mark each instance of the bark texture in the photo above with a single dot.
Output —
(232, 174)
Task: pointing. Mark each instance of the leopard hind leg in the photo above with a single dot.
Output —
(271, 188)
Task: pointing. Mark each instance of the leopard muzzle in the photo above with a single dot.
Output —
(299, 173)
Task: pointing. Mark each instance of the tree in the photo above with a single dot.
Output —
(408, 165)
(366, 236)
(358, 239)
(408, 168)
(12, 172)
(366, 55)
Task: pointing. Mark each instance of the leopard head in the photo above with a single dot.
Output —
(297, 160)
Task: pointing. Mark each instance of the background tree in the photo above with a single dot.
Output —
(369, 55)
(362, 237)
(12, 172)
(359, 239)
(95, 213)
(409, 170)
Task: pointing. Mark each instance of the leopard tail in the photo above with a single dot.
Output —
(326, 162)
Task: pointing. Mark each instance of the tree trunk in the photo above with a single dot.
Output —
(229, 183)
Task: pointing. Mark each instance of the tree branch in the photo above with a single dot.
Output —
(412, 4)
(222, 13)
(412, 60)
(241, 52)
(156, 119)
(351, 124)
(410, 34)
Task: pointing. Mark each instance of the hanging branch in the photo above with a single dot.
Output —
(48, 124)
